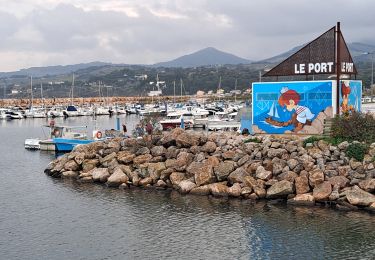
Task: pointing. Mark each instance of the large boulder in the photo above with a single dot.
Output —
(176, 177)
(359, 197)
(69, 174)
(100, 174)
(185, 186)
(201, 190)
(367, 185)
(280, 189)
(125, 157)
(158, 151)
(169, 138)
(223, 170)
(117, 178)
(238, 175)
(322, 191)
(142, 159)
(219, 189)
(302, 199)
(262, 174)
(71, 165)
(302, 184)
(186, 140)
(276, 152)
(235, 190)
(183, 160)
(209, 147)
(339, 181)
(155, 169)
(203, 173)
(316, 177)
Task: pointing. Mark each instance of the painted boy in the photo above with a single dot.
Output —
(345, 106)
(302, 116)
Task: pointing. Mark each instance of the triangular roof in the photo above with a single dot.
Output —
(317, 57)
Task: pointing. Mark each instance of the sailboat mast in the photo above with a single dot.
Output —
(31, 88)
(235, 91)
(174, 92)
(181, 89)
(72, 90)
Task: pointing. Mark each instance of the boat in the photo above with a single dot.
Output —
(55, 132)
(174, 120)
(67, 145)
(12, 114)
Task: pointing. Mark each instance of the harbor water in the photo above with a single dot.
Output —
(46, 218)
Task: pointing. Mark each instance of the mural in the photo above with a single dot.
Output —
(291, 107)
(350, 96)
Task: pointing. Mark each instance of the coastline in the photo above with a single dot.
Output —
(228, 165)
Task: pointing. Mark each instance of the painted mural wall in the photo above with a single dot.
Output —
(350, 96)
(291, 107)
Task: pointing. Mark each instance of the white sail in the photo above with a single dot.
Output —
(276, 114)
(271, 112)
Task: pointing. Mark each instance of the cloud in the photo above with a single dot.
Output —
(50, 32)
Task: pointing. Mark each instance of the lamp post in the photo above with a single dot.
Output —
(372, 68)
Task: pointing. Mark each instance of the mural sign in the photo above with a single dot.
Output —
(291, 107)
(350, 96)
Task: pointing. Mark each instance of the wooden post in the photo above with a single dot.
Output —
(338, 67)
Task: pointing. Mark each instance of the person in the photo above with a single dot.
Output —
(124, 129)
(302, 115)
(346, 108)
(149, 128)
(245, 131)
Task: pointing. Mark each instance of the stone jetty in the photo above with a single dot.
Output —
(227, 165)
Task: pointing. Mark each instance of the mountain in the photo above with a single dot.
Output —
(360, 52)
(204, 57)
(52, 70)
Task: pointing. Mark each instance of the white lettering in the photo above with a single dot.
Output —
(330, 65)
(323, 68)
(311, 67)
(317, 67)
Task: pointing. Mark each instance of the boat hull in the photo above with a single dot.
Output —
(67, 145)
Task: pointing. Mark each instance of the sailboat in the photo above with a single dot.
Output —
(34, 112)
(273, 111)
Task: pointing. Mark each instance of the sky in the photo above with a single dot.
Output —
(61, 32)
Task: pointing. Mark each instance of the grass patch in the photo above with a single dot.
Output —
(252, 140)
(357, 151)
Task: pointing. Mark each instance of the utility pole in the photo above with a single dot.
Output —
(338, 67)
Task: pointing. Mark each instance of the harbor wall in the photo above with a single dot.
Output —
(227, 165)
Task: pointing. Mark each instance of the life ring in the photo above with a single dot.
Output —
(56, 133)
(98, 134)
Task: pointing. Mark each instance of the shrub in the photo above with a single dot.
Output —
(357, 151)
(311, 139)
(252, 140)
(354, 127)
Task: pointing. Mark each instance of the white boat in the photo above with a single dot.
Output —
(55, 112)
(14, 115)
(3, 113)
(173, 120)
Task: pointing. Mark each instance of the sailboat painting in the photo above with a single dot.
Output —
(273, 111)
(350, 95)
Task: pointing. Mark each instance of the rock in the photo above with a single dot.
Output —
(235, 190)
(339, 181)
(322, 191)
(183, 160)
(142, 159)
(100, 174)
(186, 140)
(176, 177)
(117, 178)
(203, 173)
(142, 151)
(278, 165)
(158, 151)
(123, 186)
(185, 186)
(316, 177)
(302, 199)
(292, 163)
(280, 189)
(289, 176)
(260, 192)
(323, 145)
(79, 158)
(213, 161)
(223, 170)
(155, 169)
(71, 166)
(86, 179)
(262, 174)
(145, 182)
(171, 152)
(275, 145)
(135, 178)
(125, 157)
(302, 184)
(343, 146)
(195, 149)
(243, 160)
(367, 185)
(246, 191)
(354, 164)
(344, 170)
(276, 152)
(108, 158)
(238, 175)
(219, 189)
(202, 190)
(169, 138)
(359, 197)
(160, 184)
(229, 155)
(209, 147)
(69, 174)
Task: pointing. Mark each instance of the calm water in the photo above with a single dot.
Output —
(45, 218)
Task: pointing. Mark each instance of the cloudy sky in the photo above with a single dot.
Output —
(54, 32)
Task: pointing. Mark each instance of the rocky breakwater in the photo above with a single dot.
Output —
(227, 165)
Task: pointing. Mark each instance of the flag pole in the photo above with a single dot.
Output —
(338, 67)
